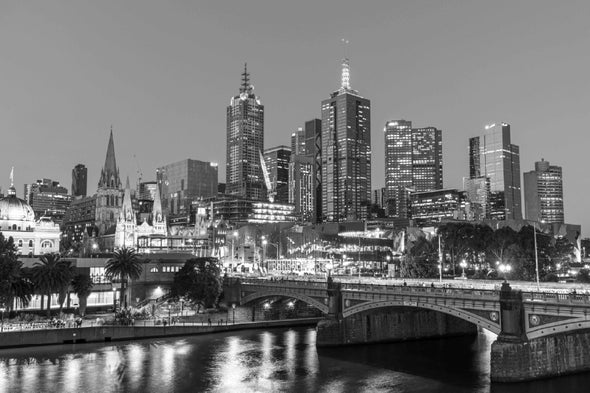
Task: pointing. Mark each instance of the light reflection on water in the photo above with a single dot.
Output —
(275, 360)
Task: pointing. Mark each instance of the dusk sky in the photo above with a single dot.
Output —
(163, 72)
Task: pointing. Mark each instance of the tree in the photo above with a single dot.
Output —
(82, 285)
(421, 261)
(15, 282)
(498, 245)
(198, 281)
(124, 265)
(456, 239)
(583, 276)
(52, 275)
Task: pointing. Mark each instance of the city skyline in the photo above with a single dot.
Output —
(151, 94)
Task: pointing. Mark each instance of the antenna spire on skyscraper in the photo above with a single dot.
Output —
(245, 80)
(345, 83)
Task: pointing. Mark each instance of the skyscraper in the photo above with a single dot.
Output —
(492, 156)
(298, 142)
(183, 182)
(277, 162)
(79, 180)
(245, 143)
(346, 153)
(313, 148)
(543, 193)
(301, 186)
(413, 162)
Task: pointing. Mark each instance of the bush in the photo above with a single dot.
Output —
(550, 277)
(583, 275)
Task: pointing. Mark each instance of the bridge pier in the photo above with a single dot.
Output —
(515, 358)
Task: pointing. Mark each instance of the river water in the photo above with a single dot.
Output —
(273, 360)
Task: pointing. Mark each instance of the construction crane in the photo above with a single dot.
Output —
(270, 189)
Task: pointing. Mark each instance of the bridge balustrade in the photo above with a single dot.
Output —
(556, 297)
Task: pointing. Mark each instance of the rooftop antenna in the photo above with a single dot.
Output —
(345, 83)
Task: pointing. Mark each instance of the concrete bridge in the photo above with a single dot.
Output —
(540, 334)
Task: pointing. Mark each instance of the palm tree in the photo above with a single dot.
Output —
(124, 265)
(14, 279)
(82, 285)
(51, 275)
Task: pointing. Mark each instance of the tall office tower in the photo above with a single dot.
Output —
(301, 186)
(298, 142)
(185, 181)
(379, 197)
(346, 153)
(109, 194)
(413, 163)
(245, 143)
(48, 199)
(277, 163)
(79, 180)
(492, 155)
(543, 193)
(313, 148)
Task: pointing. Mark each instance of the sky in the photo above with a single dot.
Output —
(162, 74)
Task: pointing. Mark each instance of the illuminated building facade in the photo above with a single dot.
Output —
(493, 156)
(298, 142)
(543, 193)
(413, 163)
(48, 199)
(245, 144)
(183, 182)
(31, 236)
(433, 206)
(277, 162)
(345, 153)
(301, 186)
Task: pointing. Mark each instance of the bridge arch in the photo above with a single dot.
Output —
(281, 293)
(476, 319)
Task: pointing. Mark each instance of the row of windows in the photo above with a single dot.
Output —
(165, 269)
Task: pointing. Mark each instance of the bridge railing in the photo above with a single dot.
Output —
(286, 283)
(557, 297)
(439, 291)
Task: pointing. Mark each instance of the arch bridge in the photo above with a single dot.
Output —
(540, 334)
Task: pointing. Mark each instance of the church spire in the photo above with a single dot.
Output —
(109, 176)
(157, 206)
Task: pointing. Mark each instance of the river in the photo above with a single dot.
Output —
(273, 360)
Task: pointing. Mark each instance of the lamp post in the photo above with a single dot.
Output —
(440, 260)
(233, 308)
(169, 309)
(536, 253)
(233, 253)
(114, 299)
(2, 309)
(463, 265)
(505, 268)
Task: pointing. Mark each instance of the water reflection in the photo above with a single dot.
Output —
(276, 360)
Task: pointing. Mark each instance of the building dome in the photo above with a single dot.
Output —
(15, 209)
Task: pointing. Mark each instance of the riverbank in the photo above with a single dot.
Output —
(107, 333)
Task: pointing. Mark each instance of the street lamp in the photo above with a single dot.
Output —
(505, 268)
(233, 308)
(114, 299)
(463, 265)
(169, 309)
(234, 237)
(2, 309)
(536, 254)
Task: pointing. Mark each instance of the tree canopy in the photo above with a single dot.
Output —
(198, 281)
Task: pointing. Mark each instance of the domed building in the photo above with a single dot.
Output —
(32, 237)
